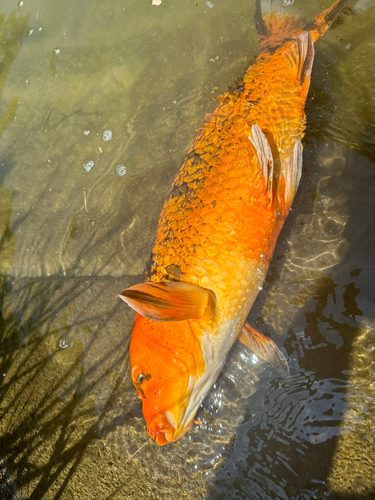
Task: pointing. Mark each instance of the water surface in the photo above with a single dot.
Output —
(89, 90)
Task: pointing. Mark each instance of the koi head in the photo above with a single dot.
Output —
(166, 360)
(166, 355)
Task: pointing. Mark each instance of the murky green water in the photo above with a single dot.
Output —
(73, 233)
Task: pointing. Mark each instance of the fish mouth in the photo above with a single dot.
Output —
(163, 431)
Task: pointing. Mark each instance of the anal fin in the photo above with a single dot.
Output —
(263, 347)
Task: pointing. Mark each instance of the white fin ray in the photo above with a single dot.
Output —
(300, 56)
(291, 172)
(264, 154)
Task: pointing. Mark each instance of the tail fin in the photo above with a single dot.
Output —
(275, 27)
(324, 20)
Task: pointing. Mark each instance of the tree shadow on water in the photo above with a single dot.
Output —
(64, 366)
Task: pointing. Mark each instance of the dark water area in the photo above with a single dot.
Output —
(99, 102)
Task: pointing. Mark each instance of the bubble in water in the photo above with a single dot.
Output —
(31, 31)
(86, 132)
(88, 166)
(121, 170)
(20, 3)
(57, 51)
(107, 135)
(63, 343)
(209, 4)
(287, 2)
(156, 2)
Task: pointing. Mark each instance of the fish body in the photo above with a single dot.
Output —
(219, 226)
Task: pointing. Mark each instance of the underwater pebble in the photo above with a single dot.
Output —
(156, 2)
(107, 135)
(88, 166)
(20, 4)
(121, 170)
(287, 2)
(31, 31)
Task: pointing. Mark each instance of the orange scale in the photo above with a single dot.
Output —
(223, 226)
(211, 265)
(216, 279)
(171, 252)
(199, 272)
(200, 252)
(218, 238)
(258, 233)
(230, 216)
(234, 236)
(212, 252)
(248, 254)
(227, 247)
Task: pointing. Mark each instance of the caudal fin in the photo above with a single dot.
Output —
(275, 26)
(324, 20)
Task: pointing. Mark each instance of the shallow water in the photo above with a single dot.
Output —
(73, 233)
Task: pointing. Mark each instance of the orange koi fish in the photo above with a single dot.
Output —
(219, 226)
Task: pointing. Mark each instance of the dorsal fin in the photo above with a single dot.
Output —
(290, 175)
(300, 57)
(264, 154)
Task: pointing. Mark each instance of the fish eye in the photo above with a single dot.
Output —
(137, 375)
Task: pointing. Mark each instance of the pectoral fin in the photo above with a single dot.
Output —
(170, 301)
(263, 347)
